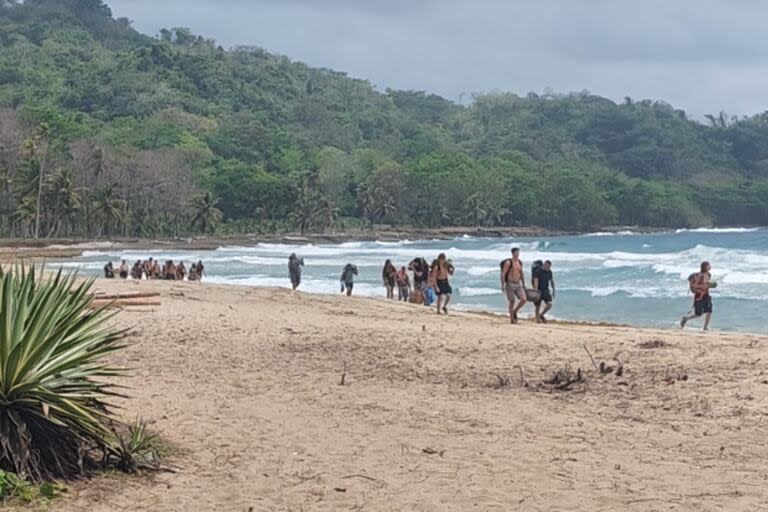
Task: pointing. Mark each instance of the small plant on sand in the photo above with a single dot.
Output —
(137, 448)
(13, 487)
(55, 422)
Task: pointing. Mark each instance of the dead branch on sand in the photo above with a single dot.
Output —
(563, 378)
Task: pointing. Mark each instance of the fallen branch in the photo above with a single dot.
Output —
(125, 295)
(592, 358)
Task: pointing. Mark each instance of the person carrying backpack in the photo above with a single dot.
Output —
(512, 279)
(348, 278)
(294, 269)
(543, 280)
(699, 284)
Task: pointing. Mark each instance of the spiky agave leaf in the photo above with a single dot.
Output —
(52, 348)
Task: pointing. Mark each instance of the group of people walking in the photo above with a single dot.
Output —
(152, 269)
(430, 282)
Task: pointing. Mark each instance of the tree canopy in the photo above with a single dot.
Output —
(105, 131)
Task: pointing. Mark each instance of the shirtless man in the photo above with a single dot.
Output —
(443, 270)
(702, 300)
(512, 279)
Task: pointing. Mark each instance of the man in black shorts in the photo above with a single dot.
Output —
(700, 285)
(542, 280)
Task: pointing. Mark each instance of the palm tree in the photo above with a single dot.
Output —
(25, 212)
(36, 149)
(306, 208)
(386, 204)
(207, 216)
(65, 201)
(110, 210)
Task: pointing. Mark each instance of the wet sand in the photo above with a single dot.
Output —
(434, 414)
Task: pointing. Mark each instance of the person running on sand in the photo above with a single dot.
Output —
(109, 271)
(542, 281)
(348, 278)
(700, 284)
(123, 270)
(512, 279)
(403, 285)
(388, 275)
(294, 269)
(443, 270)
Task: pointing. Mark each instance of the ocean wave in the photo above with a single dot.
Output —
(612, 233)
(469, 291)
(718, 230)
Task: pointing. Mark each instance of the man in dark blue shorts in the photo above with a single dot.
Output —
(542, 281)
(700, 285)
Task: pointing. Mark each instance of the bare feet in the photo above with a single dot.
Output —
(543, 320)
(683, 321)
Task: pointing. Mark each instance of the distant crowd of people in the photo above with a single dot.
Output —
(152, 269)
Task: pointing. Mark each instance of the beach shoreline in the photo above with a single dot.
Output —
(62, 248)
(280, 400)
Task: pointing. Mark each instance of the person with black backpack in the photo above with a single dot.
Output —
(512, 284)
(294, 269)
(699, 284)
(543, 280)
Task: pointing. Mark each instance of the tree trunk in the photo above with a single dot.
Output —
(38, 206)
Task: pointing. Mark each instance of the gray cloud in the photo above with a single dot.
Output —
(699, 55)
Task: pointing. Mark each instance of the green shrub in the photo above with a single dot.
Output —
(54, 418)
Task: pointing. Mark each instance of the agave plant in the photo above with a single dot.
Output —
(54, 418)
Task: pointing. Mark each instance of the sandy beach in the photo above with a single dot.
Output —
(435, 414)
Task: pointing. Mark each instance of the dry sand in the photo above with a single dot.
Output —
(246, 384)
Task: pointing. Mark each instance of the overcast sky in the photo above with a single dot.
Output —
(699, 55)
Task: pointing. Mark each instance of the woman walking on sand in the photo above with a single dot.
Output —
(388, 274)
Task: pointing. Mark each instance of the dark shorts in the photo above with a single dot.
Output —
(546, 298)
(443, 288)
(703, 305)
(296, 279)
(349, 286)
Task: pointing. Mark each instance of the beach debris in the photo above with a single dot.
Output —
(603, 368)
(651, 344)
(563, 378)
(340, 489)
(343, 374)
(433, 451)
(501, 381)
(523, 382)
(670, 377)
(124, 295)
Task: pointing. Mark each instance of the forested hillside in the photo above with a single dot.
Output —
(106, 132)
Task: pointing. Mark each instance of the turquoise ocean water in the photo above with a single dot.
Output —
(639, 279)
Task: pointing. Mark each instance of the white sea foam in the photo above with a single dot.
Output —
(469, 291)
(719, 230)
(612, 233)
